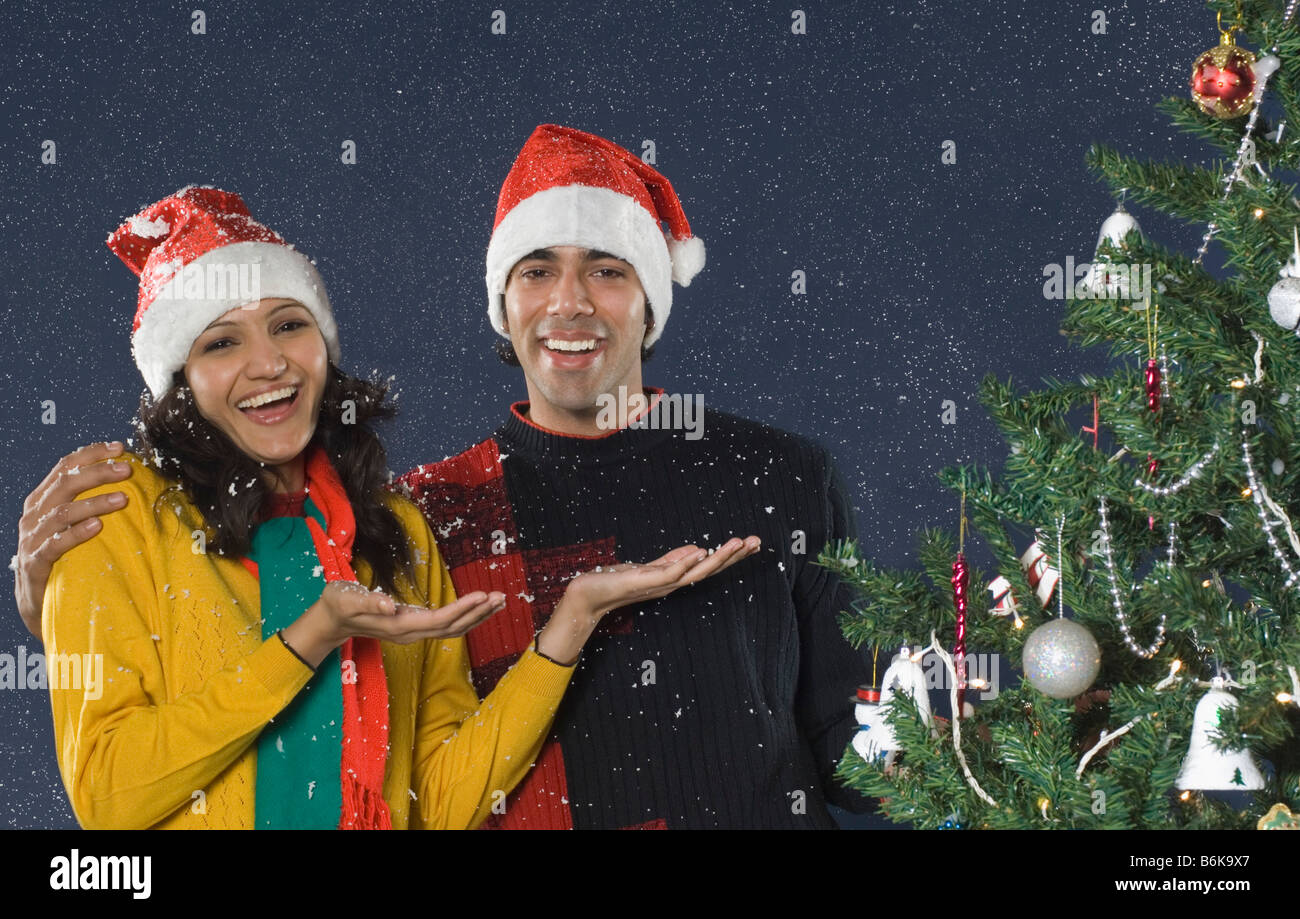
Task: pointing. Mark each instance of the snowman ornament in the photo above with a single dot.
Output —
(871, 722)
(875, 738)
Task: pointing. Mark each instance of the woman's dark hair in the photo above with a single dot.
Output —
(228, 487)
(506, 350)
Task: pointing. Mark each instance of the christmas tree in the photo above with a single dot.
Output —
(1148, 565)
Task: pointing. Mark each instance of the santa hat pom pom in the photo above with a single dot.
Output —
(687, 257)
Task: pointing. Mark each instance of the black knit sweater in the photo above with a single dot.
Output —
(724, 704)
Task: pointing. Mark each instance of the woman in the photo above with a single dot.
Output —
(250, 676)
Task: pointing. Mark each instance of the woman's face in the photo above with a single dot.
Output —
(258, 374)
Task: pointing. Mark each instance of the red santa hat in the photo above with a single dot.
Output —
(199, 254)
(571, 188)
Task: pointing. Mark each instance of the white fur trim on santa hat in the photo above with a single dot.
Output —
(588, 217)
(212, 285)
(688, 259)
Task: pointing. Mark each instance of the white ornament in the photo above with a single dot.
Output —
(1061, 659)
(875, 737)
(905, 675)
(1206, 768)
(1284, 298)
(1264, 68)
(1117, 226)
(1004, 603)
(1099, 281)
(1038, 569)
(871, 724)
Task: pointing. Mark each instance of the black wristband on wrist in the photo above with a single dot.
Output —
(284, 641)
(537, 647)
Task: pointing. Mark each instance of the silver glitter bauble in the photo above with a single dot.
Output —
(1284, 303)
(1061, 659)
(1284, 298)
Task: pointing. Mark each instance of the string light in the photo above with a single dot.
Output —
(1171, 679)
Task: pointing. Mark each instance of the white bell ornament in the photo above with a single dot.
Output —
(904, 675)
(1206, 768)
(1100, 283)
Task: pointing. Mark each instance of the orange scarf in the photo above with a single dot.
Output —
(365, 687)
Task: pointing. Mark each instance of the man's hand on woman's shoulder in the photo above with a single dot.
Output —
(54, 520)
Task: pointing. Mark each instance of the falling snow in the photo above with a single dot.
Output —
(921, 277)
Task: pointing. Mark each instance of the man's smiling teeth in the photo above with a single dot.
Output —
(266, 397)
(559, 344)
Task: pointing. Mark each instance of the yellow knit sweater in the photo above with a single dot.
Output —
(157, 716)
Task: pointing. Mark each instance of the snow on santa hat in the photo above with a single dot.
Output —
(199, 254)
(571, 188)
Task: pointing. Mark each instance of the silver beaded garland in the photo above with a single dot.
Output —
(1172, 488)
(1152, 649)
(1256, 492)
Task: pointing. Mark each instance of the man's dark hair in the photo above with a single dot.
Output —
(506, 351)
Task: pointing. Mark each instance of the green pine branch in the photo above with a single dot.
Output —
(1225, 604)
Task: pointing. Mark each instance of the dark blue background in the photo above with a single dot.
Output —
(819, 152)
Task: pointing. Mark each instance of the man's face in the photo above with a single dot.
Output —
(576, 318)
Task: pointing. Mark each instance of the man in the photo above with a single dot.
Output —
(723, 705)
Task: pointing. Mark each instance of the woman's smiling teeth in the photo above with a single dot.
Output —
(560, 344)
(273, 396)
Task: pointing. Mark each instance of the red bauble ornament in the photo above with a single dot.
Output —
(1223, 79)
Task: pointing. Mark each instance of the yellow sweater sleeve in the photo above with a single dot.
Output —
(129, 754)
(470, 754)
